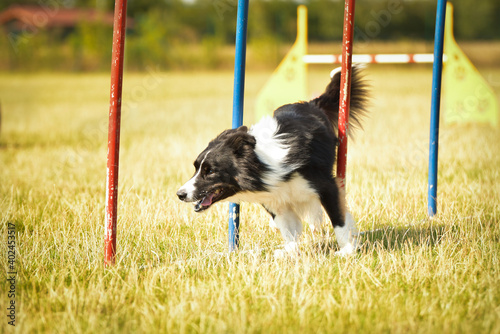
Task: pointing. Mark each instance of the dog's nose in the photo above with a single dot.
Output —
(182, 194)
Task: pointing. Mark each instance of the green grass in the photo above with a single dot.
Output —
(173, 274)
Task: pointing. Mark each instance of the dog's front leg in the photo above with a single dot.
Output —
(290, 227)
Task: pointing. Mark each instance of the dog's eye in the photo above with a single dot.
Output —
(208, 171)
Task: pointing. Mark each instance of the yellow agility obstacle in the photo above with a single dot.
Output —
(467, 96)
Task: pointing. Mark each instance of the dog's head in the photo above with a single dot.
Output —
(218, 169)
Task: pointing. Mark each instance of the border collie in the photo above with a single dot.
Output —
(285, 163)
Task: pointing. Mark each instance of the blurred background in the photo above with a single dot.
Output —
(414, 275)
(75, 35)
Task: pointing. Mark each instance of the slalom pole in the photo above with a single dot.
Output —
(238, 95)
(119, 26)
(345, 88)
(437, 69)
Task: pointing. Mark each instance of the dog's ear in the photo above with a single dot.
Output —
(242, 142)
(229, 133)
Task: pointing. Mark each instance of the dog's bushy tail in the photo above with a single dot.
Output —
(329, 100)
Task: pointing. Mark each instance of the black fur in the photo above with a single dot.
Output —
(230, 164)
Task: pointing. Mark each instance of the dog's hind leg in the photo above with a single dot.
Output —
(290, 227)
(347, 236)
(333, 201)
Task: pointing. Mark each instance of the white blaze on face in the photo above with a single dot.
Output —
(190, 186)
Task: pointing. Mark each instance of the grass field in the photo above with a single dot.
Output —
(173, 274)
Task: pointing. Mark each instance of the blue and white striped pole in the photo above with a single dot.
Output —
(435, 104)
(238, 94)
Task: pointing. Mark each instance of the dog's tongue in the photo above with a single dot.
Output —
(208, 200)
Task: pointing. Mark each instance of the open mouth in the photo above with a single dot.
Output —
(208, 200)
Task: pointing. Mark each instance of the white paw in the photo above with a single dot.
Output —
(291, 249)
(347, 235)
(346, 251)
(280, 254)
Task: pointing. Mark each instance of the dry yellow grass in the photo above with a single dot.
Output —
(173, 275)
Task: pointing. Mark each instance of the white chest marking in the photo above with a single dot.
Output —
(295, 194)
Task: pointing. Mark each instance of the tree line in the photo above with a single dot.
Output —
(165, 31)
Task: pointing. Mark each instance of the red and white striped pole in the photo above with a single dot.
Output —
(345, 88)
(398, 58)
(119, 26)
